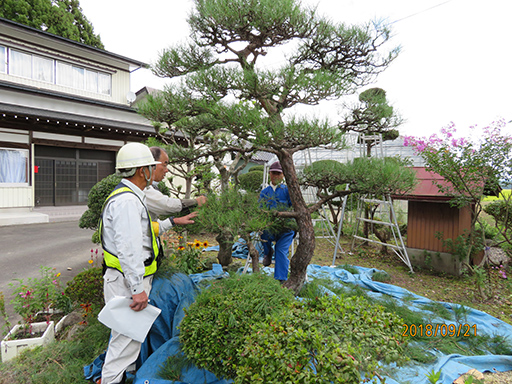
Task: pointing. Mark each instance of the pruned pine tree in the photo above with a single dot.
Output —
(372, 116)
(225, 81)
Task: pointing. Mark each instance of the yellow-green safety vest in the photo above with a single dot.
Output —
(111, 260)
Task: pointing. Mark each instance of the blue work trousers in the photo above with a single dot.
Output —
(283, 241)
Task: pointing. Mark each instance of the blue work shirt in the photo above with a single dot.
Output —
(276, 197)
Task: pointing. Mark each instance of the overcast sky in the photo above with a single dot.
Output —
(455, 63)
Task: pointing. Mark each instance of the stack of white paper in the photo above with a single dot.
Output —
(118, 316)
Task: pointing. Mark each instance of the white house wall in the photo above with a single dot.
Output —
(16, 197)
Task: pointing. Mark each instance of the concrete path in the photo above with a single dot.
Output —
(24, 249)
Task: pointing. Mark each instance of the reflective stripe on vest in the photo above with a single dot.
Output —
(111, 260)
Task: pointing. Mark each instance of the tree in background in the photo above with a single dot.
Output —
(373, 116)
(471, 168)
(61, 17)
(226, 88)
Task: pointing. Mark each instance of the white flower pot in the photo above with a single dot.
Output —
(11, 348)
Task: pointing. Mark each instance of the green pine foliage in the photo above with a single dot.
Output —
(97, 196)
(64, 18)
(215, 325)
(236, 213)
(250, 329)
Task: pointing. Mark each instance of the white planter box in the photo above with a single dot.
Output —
(11, 348)
(60, 325)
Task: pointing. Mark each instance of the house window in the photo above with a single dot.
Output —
(104, 83)
(54, 71)
(3, 64)
(20, 64)
(42, 69)
(91, 81)
(13, 166)
(80, 78)
(31, 66)
(70, 76)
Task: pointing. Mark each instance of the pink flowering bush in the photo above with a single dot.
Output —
(471, 168)
(38, 295)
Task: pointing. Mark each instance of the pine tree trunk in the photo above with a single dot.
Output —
(306, 248)
(255, 256)
(225, 241)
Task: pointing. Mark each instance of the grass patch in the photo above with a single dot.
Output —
(61, 362)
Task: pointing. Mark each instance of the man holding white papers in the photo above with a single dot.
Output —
(130, 250)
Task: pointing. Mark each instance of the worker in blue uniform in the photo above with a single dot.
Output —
(276, 196)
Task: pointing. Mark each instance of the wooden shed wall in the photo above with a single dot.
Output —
(425, 219)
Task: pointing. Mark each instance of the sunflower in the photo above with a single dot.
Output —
(181, 248)
(205, 244)
(197, 244)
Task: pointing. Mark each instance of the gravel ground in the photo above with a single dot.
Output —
(498, 378)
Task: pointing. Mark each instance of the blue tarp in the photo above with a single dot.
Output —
(451, 366)
(175, 295)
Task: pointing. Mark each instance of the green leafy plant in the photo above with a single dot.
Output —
(87, 288)
(215, 325)
(188, 257)
(381, 276)
(463, 246)
(6, 326)
(433, 377)
(174, 366)
(38, 295)
(251, 181)
(252, 330)
(350, 268)
(326, 339)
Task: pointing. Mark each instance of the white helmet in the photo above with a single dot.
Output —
(134, 155)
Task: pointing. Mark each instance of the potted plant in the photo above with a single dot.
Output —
(37, 302)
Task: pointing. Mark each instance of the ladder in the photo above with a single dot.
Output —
(386, 204)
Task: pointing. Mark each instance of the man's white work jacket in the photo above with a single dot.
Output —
(127, 235)
(159, 204)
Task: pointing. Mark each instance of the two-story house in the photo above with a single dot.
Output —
(65, 109)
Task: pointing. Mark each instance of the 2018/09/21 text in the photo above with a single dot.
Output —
(443, 330)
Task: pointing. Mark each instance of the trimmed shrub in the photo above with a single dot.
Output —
(258, 168)
(251, 181)
(215, 325)
(97, 196)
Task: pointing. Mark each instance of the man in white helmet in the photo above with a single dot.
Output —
(130, 249)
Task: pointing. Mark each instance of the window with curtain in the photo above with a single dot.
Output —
(91, 81)
(13, 166)
(20, 64)
(42, 69)
(3, 63)
(54, 71)
(78, 78)
(104, 83)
